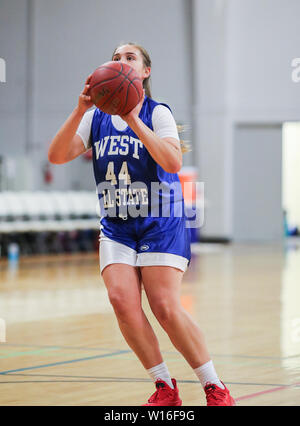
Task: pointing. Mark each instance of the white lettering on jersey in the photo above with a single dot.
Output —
(118, 145)
(137, 143)
(113, 144)
(101, 149)
(124, 145)
(125, 197)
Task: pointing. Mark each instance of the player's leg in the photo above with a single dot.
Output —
(162, 286)
(124, 291)
(123, 281)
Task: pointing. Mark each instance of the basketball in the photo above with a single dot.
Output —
(115, 88)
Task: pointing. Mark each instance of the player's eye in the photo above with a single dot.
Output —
(116, 58)
(130, 58)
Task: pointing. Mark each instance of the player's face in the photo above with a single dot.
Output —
(132, 56)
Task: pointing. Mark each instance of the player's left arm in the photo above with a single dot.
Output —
(166, 151)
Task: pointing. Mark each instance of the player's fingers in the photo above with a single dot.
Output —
(84, 98)
(143, 97)
(86, 88)
(88, 79)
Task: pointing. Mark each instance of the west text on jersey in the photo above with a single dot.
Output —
(118, 145)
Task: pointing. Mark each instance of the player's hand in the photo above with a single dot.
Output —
(84, 100)
(134, 113)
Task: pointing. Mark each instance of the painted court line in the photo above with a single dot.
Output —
(57, 352)
(137, 379)
(63, 362)
(165, 352)
(253, 395)
(94, 379)
(81, 348)
(26, 353)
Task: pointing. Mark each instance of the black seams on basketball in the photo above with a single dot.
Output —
(115, 88)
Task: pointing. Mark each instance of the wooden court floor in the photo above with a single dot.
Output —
(63, 345)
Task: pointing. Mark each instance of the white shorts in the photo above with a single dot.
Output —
(111, 251)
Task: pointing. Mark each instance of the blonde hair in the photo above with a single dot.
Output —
(147, 86)
(185, 147)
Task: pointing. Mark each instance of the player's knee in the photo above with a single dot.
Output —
(119, 302)
(165, 312)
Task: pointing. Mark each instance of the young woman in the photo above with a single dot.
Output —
(151, 250)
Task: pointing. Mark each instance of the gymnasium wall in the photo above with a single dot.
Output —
(13, 93)
(218, 63)
(243, 51)
(51, 47)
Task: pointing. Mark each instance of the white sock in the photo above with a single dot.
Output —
(207, 373)
(161, 371)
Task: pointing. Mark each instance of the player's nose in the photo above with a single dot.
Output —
(125, 61)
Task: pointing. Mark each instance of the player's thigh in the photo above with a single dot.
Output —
(123, 283)
(162, 285)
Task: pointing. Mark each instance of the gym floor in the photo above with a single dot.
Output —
(63, 345)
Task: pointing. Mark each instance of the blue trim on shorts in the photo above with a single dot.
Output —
(150, 234)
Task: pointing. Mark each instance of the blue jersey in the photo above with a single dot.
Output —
(129, 182)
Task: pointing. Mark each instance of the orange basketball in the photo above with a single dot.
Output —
(115, 88)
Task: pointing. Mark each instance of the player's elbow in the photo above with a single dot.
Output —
(174, 167)
(53, 159)
(177, 168)
(177, 163)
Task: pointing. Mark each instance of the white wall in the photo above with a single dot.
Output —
(236, 68)
(291, 172)
(62, 41)
(263, 38)
(243, 51)
(257, 201)
(210, 109)
(13, 93)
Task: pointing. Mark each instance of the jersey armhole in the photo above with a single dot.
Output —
(171, 129)
(84, 130)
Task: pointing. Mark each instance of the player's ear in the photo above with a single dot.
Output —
(147, 72)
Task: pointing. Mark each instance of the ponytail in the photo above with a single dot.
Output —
(185, 147)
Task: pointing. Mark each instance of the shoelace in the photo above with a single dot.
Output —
(161, 388)
(213, 393)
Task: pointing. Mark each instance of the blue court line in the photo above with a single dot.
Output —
(95, 379)
(64, 362)
(83, 348)
(139, 380)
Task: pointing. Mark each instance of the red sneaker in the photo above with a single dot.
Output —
(165, 395)
(217, 396)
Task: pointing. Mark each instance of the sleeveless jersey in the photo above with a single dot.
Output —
(129, 182)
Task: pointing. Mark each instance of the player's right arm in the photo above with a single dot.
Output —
(66, 144)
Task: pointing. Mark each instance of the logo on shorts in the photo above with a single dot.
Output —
(144, 247)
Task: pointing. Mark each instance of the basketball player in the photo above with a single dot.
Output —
(142, 146)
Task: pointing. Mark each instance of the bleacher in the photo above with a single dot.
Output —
(48, 221)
